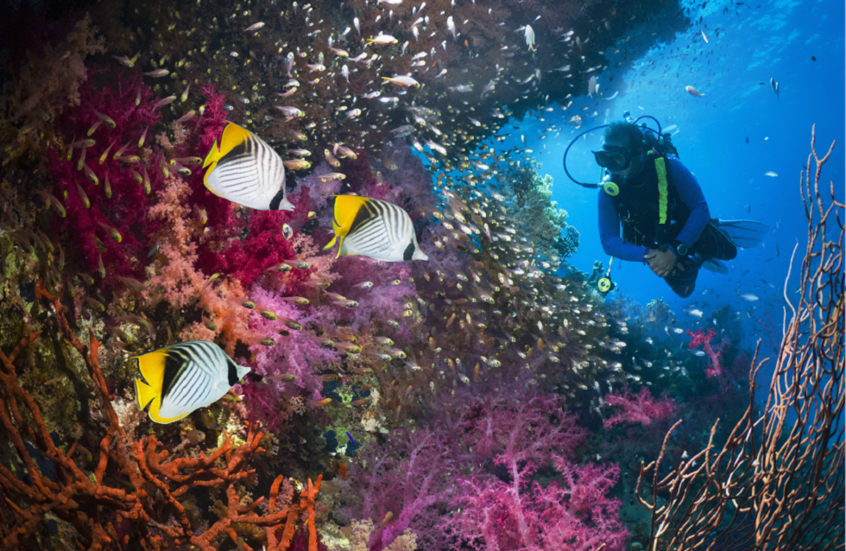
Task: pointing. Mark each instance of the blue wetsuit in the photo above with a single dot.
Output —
(690, 192)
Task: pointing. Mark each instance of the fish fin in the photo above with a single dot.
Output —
(331, 243)
(746, 234)
(715, 266)
(212, 156)
(210, 161)
(346, 209)
(152, 366)
(154, 415)
(340, 246)
(233, 136)
(144, 394)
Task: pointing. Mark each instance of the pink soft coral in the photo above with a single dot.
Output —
(478, 463)
(173, 276)
(639, 408)
(510, 510)
(301, 352)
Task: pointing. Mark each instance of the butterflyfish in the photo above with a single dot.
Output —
(245, 170)
(183, 378)
(374, 228)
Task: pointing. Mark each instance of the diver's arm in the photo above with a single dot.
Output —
(693, 197)
(609, 233)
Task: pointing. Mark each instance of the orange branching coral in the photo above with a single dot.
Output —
(104, 515)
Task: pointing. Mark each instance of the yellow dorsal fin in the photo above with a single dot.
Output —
(233, 136)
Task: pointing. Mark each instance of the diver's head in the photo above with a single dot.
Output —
(623, 151)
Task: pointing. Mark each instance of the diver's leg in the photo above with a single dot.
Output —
(714, 243)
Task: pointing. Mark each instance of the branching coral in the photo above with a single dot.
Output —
(715, 369)
(776, 482)
(105, 514)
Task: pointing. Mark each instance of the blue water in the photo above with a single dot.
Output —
(733, 70)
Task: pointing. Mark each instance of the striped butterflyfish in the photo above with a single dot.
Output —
(374, 228)
(245, 170)
(184, 377)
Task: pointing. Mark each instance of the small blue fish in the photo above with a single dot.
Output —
(351, 438)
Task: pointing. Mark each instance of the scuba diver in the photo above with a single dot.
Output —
(661, 209)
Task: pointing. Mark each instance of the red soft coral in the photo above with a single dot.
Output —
(115, 199)
(701, 338)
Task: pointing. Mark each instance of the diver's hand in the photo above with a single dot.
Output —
(663, 263)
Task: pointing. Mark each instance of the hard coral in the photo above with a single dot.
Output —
(147, 510)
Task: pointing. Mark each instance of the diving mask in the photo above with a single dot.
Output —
(613, 157)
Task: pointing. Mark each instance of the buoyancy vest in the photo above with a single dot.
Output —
(651, 211)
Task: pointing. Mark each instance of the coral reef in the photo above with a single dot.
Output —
(133, 488)
(477, 400)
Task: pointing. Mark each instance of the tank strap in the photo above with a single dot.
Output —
(661, 170)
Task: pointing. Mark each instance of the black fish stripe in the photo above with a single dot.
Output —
(239, 151)
(243, 175)
(232, 373)
(398, 225)
(368, 231)
(199, 389)
(363, 216)
(187, 374)
(389, 227)
(249, 168)
(270, 165)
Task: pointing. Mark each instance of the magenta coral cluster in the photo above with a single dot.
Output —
(99, 191)
(483, 463)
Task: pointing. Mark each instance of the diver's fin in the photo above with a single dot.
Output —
(715, 266)
(744, 233)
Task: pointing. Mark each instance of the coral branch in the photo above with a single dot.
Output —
(777, 481)
(156, 483)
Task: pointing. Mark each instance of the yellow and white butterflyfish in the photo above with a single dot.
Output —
(374, 228)
(245, 170)
(182, 378)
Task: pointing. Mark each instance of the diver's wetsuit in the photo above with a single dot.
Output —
(636, 209)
